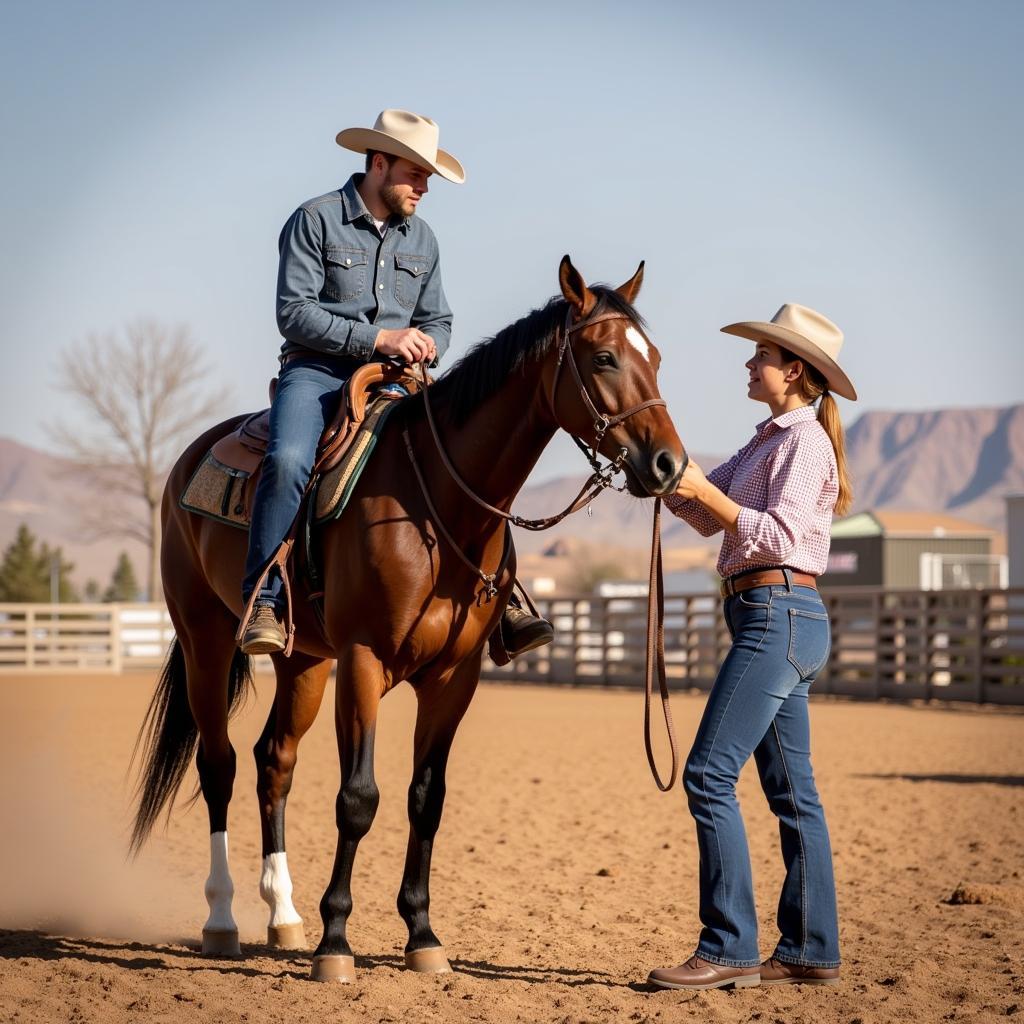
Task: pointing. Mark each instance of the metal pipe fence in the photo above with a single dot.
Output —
(961, 645)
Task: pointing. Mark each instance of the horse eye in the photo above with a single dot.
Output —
(604, 359)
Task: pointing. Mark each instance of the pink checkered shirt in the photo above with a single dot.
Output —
(786, 482)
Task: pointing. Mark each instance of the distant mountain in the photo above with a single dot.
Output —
(959, 461)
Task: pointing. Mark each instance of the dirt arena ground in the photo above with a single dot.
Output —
(561, 876)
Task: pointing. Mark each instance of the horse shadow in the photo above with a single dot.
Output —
(175, 954)
(135, 956)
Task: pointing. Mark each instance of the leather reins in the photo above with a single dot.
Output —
(600, 478)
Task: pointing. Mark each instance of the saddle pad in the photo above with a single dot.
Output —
(224, 493)
(219, 492)
(334, 488)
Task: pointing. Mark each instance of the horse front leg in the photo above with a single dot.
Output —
(301, 680)
(359, 689)
(441, 706)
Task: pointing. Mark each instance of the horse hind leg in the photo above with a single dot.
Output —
(301, 680)
(217, 675)
(188, 717)
(441, 708)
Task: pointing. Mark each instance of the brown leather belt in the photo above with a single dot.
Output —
(767, 578)
(338, 358)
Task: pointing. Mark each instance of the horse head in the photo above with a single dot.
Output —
(609, 396)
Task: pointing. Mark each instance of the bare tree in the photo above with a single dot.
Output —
(144, 399)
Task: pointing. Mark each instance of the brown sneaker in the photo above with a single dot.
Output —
(522, 632)
(778, 972)
(697, 974)
(264, 632)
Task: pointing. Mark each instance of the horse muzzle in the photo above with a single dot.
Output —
(655, 474)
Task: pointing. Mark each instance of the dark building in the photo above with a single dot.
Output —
(912, 550)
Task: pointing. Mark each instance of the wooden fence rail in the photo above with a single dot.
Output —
(965, 645)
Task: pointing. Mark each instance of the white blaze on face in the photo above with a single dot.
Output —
(639, 342)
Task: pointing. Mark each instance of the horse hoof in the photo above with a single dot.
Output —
(286, 936)
(333, 968)
(221, 943)
(428, 961)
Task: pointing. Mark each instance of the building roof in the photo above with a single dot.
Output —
(886, 523)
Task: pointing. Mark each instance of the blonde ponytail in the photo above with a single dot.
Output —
(815, 389)
(828, 417)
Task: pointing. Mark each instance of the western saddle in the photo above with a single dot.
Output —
(243, 449)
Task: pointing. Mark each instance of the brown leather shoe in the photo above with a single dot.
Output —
(778, 972)
(264, 632)
(699, 974)
(522, 632)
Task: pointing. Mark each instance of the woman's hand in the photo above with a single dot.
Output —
(692, 482)
(695, 485)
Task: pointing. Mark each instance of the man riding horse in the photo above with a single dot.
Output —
(359, 280)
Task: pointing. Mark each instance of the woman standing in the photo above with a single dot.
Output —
(774, 499)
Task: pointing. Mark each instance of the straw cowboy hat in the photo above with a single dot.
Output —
(402, 133)
(807, 334)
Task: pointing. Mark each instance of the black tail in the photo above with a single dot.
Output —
(168, 737)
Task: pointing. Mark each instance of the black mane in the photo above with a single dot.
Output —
(483, 369)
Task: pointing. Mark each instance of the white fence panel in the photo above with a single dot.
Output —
(87, 638)
(82, 637)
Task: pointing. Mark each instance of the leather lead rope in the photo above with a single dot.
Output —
(656, 657)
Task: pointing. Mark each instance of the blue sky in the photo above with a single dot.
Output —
(863, 159)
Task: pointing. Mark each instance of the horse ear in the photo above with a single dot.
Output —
(631, 288)
(574, 288)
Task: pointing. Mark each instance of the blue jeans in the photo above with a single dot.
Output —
(758, 705)
(308, 392)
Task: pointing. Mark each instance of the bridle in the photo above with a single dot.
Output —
(602, 422)
(599, 479)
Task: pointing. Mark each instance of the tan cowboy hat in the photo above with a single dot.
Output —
(402, 133)
(807, 334)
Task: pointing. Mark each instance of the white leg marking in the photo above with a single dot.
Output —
(276, 890)
(219, 887)
(639, 342)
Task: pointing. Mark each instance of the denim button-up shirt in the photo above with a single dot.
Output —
(339, 282)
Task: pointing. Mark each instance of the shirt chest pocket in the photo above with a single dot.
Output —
(410, 273)
(344, 272)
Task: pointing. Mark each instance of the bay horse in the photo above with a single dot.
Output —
(399, 603)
